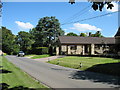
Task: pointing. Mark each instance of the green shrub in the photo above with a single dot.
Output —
(4, 54)
(40, 50)
(44, 50)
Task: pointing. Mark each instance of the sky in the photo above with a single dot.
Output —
(23, 16)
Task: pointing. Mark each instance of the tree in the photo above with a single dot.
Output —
(98, 5)
(9, 45)
(24, 39)
(97, 34)
(0, 38)
(71, 34)
(83, 35)
(0, 8)
(47, 31)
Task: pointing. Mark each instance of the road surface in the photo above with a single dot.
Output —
(60, 77)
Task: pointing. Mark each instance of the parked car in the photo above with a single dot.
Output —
(21, 54)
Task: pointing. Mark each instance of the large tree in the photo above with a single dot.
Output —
(47, 31)
(24, 39)
(9, 45)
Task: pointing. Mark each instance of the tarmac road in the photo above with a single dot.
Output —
(61, 77)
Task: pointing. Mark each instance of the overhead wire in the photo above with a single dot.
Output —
(91, 18)
(76, 15)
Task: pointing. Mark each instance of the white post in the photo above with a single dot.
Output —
(83, 50)
(92, 49)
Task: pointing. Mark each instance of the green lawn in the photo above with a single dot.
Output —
(95, 64)
(13, 76)
(40, 56)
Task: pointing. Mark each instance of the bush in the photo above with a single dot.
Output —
(4, 54)
(40, 50)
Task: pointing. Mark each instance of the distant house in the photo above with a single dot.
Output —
(75, 45)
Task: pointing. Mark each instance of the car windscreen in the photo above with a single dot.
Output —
(21, 52)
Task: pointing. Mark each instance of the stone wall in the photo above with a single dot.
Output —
(57, 51)
(0, 52)
(66, 49)
(79, 49)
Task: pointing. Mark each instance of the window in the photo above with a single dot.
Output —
(73, 47)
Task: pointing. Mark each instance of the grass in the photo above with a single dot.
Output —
(40, 56)
(95, 64)
(13, 76)
(30, 55)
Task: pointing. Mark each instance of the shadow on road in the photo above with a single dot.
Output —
(108, 68)
(95, 73)
(95, 77)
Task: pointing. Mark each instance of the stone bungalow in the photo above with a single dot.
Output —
(76, 45)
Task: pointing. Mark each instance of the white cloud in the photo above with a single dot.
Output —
(85, 27)
(114, 9)
(23, 25)
(66, 33)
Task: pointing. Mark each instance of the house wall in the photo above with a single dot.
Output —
(98, 49)
(76, 51)
(80, 49)
(0, 52)
(92, 47)
(66, 49)
(57, 50)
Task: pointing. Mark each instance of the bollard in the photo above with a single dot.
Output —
(48, 60)
(80, 65)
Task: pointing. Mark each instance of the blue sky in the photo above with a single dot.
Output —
(21, 16)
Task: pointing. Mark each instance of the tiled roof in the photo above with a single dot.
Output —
(86, 40)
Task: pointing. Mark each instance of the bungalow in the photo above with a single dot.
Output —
(76, 45)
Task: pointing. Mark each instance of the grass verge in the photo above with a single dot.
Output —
(95, 64)
(40, 56)
(15, 78)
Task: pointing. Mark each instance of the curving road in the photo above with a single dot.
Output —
(60, 77)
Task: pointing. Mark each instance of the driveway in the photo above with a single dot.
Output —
(48, 58)
(61, 77)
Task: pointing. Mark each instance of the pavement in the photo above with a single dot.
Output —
(56, 76)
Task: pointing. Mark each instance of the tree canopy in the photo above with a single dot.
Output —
(9, 45)
(46, 32)
(83, 34)
(98, 5)
(24, 39)
(71, 34)
(97, 34)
